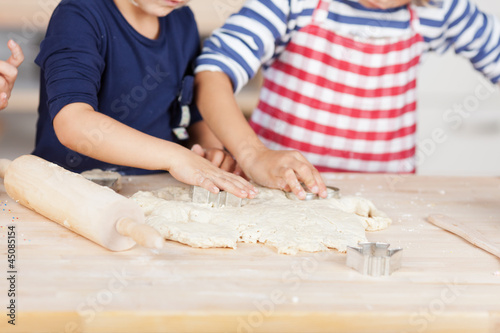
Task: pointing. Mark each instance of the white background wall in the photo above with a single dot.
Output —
(474, 147)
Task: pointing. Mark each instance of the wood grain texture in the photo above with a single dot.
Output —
(465, 230)
(69, 284)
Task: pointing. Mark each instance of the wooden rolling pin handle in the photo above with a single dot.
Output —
(141, 233)
(465, 231)
(4, 164)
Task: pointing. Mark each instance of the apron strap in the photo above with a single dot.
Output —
(321, 12)
(414, 20)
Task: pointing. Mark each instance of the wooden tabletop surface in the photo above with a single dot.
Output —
(65, 283)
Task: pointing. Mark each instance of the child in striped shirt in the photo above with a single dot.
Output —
(339, 81)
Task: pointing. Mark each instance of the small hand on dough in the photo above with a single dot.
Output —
(284, 170)
(193, 169)
(218, 157)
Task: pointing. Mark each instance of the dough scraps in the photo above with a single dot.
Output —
(271, 218)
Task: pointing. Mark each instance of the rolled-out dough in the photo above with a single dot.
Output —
(271, 218)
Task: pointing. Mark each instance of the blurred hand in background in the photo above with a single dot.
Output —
(8, 72)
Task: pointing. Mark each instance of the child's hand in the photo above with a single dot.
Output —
(8, 72)
(284, 170)
(219, 157)
(193, 169)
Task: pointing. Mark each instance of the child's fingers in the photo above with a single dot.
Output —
(8, 71)
(3, 101)
(220, 159)
(195, 170)
(321, 184)
(312, 178)
(230, 183)
(238, 171)
(216, 156)
(198, 150)
(301, 170)
(208, 185)
(294, 184)
(17, 57)
(218, 182)
(228, 163)
(305, 173)
(233, 184)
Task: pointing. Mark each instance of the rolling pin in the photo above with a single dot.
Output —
(92, 211)
(465, 231)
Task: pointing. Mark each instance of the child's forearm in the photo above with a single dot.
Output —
(277, 169)
(96, 135)
(215, 99)
(201, 134)
(204, 143)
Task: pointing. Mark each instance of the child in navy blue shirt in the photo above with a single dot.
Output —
(116, 93)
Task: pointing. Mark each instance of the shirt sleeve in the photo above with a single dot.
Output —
(246, 40)
(69, 58)
(473, 34)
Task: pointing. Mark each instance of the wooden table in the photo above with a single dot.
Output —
(66, 283)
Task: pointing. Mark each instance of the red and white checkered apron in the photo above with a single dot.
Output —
(348, 104)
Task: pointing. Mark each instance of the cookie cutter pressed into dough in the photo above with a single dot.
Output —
(332, 193)
(375, 259)
(216, 200)
(110, 179)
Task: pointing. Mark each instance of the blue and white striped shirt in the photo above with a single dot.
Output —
(260, 31)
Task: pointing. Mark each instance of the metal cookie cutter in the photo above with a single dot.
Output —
(109, 179)
(332, 192)
(221, 199)
(374, 259)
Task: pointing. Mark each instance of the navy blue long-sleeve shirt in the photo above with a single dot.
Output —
(92, 55)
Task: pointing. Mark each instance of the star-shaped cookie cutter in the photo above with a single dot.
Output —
(374, 259)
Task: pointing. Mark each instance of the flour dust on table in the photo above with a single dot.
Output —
(271, 218)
